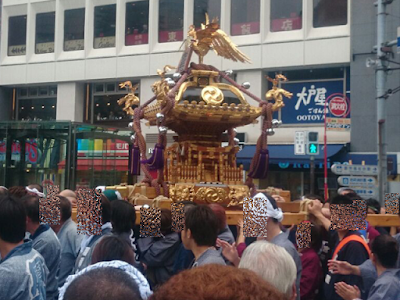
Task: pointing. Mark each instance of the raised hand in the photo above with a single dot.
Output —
(229, 251)
(347, 292)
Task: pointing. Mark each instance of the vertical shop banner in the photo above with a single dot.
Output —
(308, 104)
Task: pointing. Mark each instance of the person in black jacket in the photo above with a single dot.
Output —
(158, 253)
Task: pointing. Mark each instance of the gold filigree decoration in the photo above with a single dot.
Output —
(211, 37)
(130, 99)
(237, 194)
(212, 95)
(211, 195)
(276, 94)
(181, 192)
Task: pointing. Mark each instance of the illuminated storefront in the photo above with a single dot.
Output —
(68, 154)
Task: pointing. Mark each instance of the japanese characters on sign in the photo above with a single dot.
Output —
(308, 104)
(299, 141)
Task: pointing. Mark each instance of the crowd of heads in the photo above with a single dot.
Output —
(123, 265)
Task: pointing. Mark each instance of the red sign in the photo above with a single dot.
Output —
(136, 39)
(338, 106)
(170, 36)
(287, 24)
(245, 28)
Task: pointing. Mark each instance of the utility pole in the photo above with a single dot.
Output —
(312, 174)
(381, 76)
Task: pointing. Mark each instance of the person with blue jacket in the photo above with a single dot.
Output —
(45, 241)
(23, 272)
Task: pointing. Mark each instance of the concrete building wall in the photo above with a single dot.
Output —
(363, 94)
(305, 48)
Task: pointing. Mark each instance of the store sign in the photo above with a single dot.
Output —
(17, 50)
(338, 124)
(42, 48)
(104, 42)
(74, 45)
(307, 105)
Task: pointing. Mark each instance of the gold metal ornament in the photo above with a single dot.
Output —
(277, 93)
(212, 95)
(211, 195)
(211, 37)
(161, 88)
(130, 99)
(237, 195)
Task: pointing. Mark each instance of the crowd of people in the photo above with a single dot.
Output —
(206, 260)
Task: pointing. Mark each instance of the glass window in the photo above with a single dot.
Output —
(105, 106)
(23, 92)
(99, 88)
(33, 91)
(53, 90)
(104, 26)
(201, 7)
(110, 87)
(137, 23)
(286, 15)
(245, 17)
(39, 104)
(17, 36)
(330, 13)
(37, 109)
(170, 21)
(43, 91)
(45, 23)
(74, 29)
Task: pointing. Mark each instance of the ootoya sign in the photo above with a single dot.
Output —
(308, 104)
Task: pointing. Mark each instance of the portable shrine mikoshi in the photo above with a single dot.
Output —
(200, 108)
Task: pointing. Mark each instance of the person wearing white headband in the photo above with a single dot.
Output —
(35, 191)
(3, 191)
(275, 235)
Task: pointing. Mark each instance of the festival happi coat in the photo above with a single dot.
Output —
(199, 107)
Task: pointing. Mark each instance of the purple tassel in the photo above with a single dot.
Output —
(260, 170)
(156, 161)
(134, 161)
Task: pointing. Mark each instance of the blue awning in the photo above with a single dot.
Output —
(285, 153)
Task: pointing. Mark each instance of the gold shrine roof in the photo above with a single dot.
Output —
(204, 102)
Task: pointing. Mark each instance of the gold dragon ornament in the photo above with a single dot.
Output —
(277, 93)
(161, 88)
(211, 37)
(130, 99)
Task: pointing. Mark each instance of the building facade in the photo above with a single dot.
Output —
(63, 59)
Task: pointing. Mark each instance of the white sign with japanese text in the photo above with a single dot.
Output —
(299, 143)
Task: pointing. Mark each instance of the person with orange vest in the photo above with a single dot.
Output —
(350, 247)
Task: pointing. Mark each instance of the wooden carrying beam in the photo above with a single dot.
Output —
(291, 218)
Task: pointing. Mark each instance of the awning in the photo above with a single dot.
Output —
(285, 154)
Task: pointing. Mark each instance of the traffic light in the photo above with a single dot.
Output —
(312, 143)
